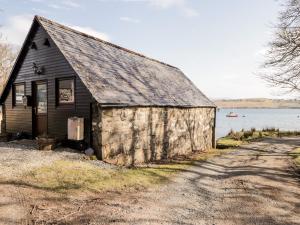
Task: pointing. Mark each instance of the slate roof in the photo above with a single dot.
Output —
(118, 76)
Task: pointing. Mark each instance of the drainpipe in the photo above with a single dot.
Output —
(214, 144)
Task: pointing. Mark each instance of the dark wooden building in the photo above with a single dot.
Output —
(62, 73)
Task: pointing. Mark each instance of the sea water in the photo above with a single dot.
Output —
(284, 119)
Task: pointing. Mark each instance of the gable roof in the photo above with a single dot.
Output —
(118, 76)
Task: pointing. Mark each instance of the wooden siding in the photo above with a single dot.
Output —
(19, 118)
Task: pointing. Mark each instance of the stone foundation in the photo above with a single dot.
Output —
(128, 136)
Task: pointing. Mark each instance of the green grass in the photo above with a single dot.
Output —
(66, 176)
(227, 142)
(235, 139)
(296, 157)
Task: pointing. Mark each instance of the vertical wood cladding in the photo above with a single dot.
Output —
(19, 118)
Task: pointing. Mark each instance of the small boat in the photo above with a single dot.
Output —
(232, 114)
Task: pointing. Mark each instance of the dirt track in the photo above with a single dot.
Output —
(251, 186)
(254, 185)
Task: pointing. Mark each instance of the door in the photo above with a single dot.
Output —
(40, 105)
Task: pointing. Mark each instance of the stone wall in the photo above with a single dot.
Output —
(128, 136)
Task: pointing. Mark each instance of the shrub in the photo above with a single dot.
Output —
(247, 134)
(231, 132)
(270, 129)
(237, 136)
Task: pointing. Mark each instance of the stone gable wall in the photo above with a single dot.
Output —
(128, 136)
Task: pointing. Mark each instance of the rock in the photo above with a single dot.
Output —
(89, 152)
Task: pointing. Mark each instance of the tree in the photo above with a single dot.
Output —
(282, 66)
(7, 58)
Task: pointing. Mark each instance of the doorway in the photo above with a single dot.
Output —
(40, 108)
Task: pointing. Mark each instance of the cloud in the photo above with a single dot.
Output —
(14, 30)
(39, 11)
(65, 5)
(129, 20)
(36, 0)
(56, 6)
(181, 5)
(261, 52)
(71, 4)
(189, 12)
(92, 32)
(164, 4)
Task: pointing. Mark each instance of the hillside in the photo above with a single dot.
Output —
(258, 103)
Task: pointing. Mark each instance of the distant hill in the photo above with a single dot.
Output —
(258, 103)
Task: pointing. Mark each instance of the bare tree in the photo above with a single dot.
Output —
(282, 66)
(7, 58)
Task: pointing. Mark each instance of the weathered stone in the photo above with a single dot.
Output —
(143, 134)
(89, 152)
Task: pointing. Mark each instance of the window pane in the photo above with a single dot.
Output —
(41, 98)
(66, 91)
(19, 93)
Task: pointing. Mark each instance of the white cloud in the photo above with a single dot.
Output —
(71, 4)
(14, 30)
(36, 0)
(261, 52)
(189, 12)
(65, 5)
(39, 11)
(181, 5)
(61, 5)
(129, 19)
(92, 32)
(166, 3)
(56, 6)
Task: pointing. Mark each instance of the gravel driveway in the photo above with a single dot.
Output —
(253, 185)
(17, 157)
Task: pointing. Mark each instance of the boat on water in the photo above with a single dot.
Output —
(232, 114)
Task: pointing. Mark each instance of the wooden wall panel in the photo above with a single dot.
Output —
(19, 119)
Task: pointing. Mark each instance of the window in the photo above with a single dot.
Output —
(18, 94)
(66, 91)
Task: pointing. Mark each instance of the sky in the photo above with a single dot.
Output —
(218, 44)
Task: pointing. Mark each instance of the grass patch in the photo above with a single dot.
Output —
(296, 157)
(66, 176)
(227, 142)
(235, 139)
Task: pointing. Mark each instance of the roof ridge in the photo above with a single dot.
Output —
(99, 39)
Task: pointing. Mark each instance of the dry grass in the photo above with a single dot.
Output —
(68, 176)
(296, 156)
(235, 139)
(227, 142)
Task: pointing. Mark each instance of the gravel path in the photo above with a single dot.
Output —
(17, 157)
(253, 185)
(21, 156)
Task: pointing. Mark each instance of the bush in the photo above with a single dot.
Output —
(237, 136)
(270, 129)
(247, 134)
(231, 132)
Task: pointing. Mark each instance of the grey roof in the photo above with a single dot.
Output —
(115, 75)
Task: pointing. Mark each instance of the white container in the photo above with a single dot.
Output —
(76, 128)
